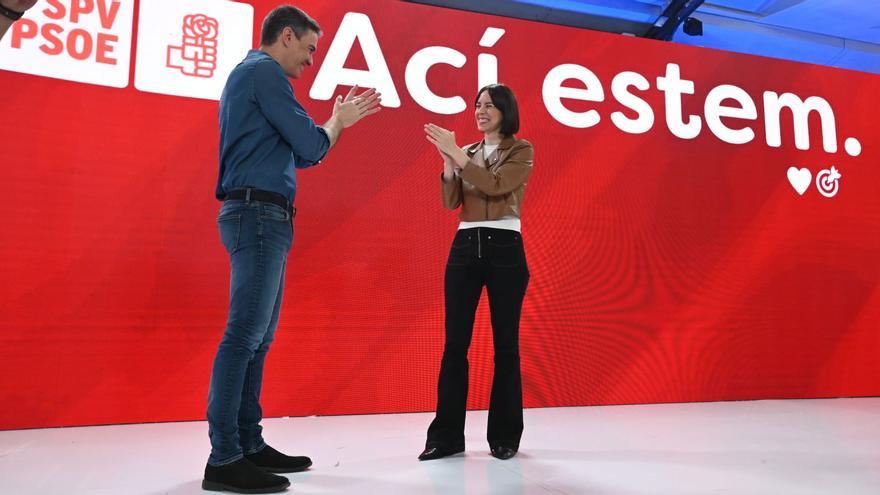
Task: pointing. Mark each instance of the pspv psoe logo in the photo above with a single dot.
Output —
(189, 48)
(86, 41)
(197, 54)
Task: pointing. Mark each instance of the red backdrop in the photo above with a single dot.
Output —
(663, 269)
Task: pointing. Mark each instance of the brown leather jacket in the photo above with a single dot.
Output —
(489, 189)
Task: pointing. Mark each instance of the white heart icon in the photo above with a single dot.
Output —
(800, 179)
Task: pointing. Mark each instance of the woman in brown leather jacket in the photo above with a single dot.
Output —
(487, 180)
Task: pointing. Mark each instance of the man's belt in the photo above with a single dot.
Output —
(251, 194)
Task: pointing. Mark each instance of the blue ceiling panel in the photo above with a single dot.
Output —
(631, 10)
(837, 33)
(850, 19)
(729, 34)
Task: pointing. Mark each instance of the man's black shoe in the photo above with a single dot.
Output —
(242, 476)
(502, 452)
(272, 461)
(438, 452)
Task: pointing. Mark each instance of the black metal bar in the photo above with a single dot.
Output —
(675, 14)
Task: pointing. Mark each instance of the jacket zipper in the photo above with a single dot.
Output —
(487, 207)
(479, 243)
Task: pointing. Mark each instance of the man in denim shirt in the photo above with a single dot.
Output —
(265, 134)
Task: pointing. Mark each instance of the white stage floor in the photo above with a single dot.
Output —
(798, 447)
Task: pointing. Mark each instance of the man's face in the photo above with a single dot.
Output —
(297, 52)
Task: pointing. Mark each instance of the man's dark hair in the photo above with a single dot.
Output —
(503, 99)
(287, 16)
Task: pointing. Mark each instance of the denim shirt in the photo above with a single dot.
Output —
(265, 134)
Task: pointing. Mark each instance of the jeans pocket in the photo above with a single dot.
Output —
(458, 253)
(507, 251)
(230, 231)
(274, 212)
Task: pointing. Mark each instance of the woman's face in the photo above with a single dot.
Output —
(488, 116)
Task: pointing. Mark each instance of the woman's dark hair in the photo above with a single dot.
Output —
(286, 16)
(503, 99)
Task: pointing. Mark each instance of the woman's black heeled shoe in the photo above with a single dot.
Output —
(502, 452)
(438, 452)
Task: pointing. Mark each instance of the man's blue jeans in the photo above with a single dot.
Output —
(257, 236)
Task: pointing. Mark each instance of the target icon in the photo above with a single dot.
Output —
(828, 182)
